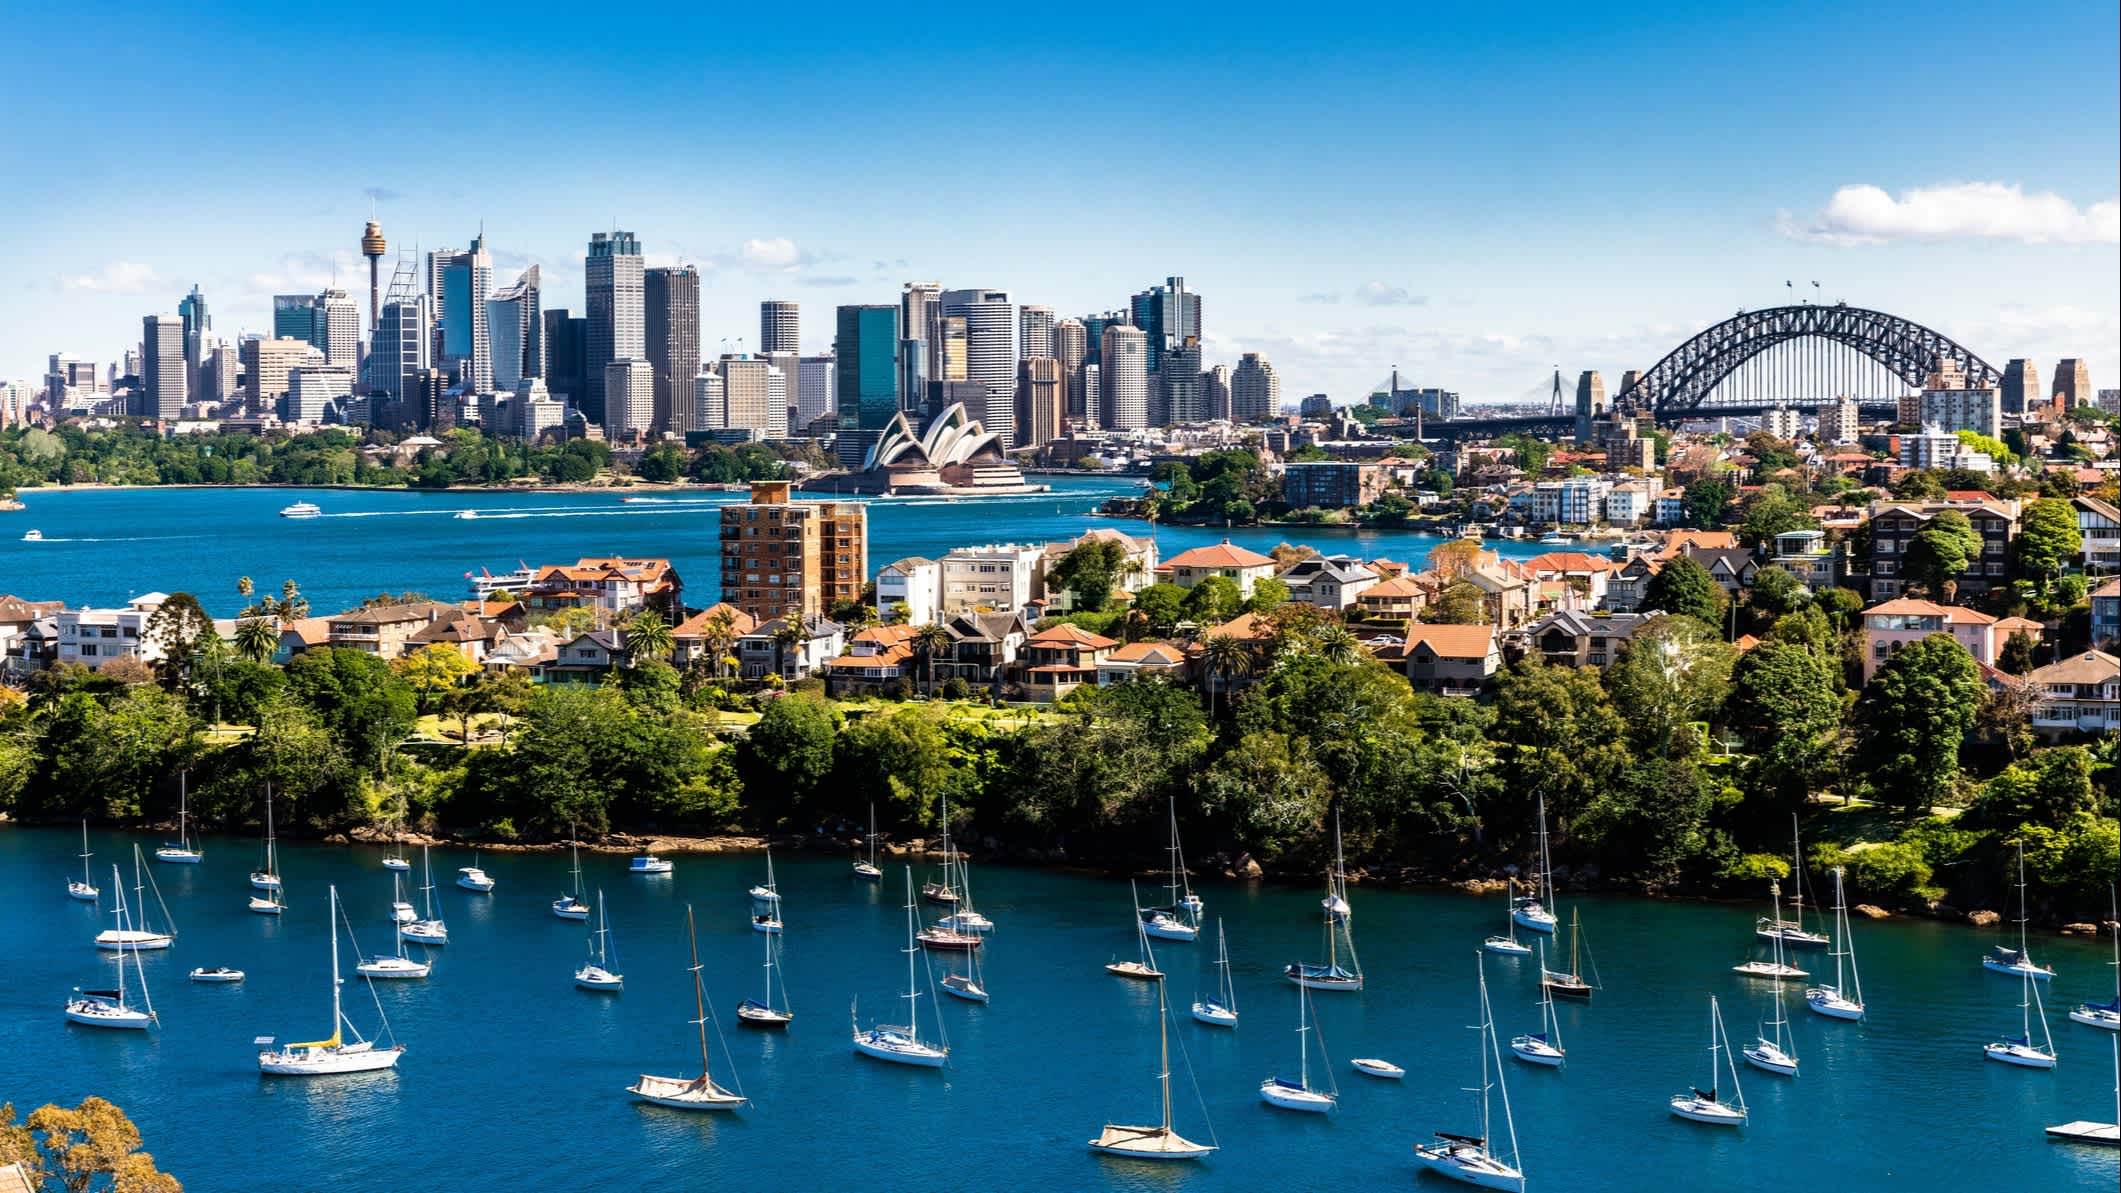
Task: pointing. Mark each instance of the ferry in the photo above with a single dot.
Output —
(302, 509)
(485, 584)
(33, 536)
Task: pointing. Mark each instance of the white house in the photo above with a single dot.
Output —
(96, 636)
(997, 578)
(914, 582)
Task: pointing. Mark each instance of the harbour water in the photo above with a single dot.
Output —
(104, 546)
(514, 1079)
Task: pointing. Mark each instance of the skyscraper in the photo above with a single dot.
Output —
(397, 353)
(783, 558)
(780, 326)
(460, 281)
(990, 353)
(952, 352)
(2021, 386)
(816, 391)
(629, 399)
(566, 357)
(1215, 387)
(294, 316)
(1255, 391)
(1124, 371)
(1034, 332)
(162, 374)
(612, 283)
(373, 246)
(672, 300)
(2073, 383)
(1168, 315)
(1071, 347)
(197, 325)
(920, 315)
(1041, 401)
(338, 329)
(1183, 398)
(755, 395)
(268, 366)
(515, 330)
(865, 350)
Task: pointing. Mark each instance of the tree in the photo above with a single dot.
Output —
(1786, 701)
(1453, 558)
(1267, 595)
(435, 669)
(176, 628)
(2050, 790)
(1913, 716)
(1918, 484)
(258, 638)
(788, 639)
(1337, 645)
(2017, 657)
(1939, 552)
(1225, 656)
(1773, 511)
(90, 1146)
(1684, 588)
(1778, 592)
(1214, 600)
(2048, 538)
(718, 636)
(1088, 572)
(1163, 604)
(366, 705)
(1673, 671)
(929, 641)
(1556, 732)
(1705, 500)
(1270, 789)
(647, 637)
(789, 753)
(1460, 603)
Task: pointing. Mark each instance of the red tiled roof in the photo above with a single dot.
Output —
(1224, 554)
(1070, 634)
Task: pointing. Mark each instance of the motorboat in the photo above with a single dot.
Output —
(211, 974)
(473, 879)
(32, 536)
(302, 509)
(1370, 1066)
(648, 863)
(387, 965)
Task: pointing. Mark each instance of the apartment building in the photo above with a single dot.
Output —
(792, 558)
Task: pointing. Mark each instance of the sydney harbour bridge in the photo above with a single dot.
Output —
(1802, 356)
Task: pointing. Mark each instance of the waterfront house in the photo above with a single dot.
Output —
(877, 658)
(1142, 660)
(996, 578)
(1447, 660)
(300, 634)
(1807, 555)
(1895, 624)
(915, 582)
(1060, 659)
(22, 644)
(983, 647)
(1330, 582)
(1680, 542)
(1572, 638)
(613, 585)
(528, 652)
(1243, 567)
(93, 637)
(384, 630)
(1587, 574)
(693, 637)
(1138, 572)
(469, 636)
(761, 653)
(1505, 596)
(2080, 694)
(1893, 523)
(1627, 585)
(1400, 598)
(1732, 567)
(586, 658)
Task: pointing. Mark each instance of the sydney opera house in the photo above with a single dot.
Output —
(954, 456)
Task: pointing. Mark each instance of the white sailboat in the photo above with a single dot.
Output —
(570, 906)
(267, 876)
(1507, 944)
(473, 879)
(1771, 1051)
(1708, 1106)
(109, 1008)
(1542, 1047)
(1843, 999)
(334, 1054)
(401, 912)
(865, 868)
(1336, 900)
(1472, 1159)
(766, 900)
(2018, 962)
(903, 1045)
(1775, 968)
(2106, 1015)
(964, 918)
(1219, 1009)
(85, 890)
(767, 1011)
(1144, 969)
(394, 857)
(1298, 1094)
(1159, 1142)
(1572, 983)
(1171, 922)
(1339, 922)
(394, 965)
(131, 939)
(429, 929)
(942, 892)
(696, 1093)
(970, 986)
(2086, 1131)
(182, 853)
(1535, 911)
(600, 972)
(1791, 932)
(2019, 1049)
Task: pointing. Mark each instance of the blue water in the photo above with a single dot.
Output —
(104, 546)
(513, 1079)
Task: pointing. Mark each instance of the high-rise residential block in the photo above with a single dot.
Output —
(1215, 386)
(990, 353)
(1255, 390)
(629, 400)
(710, 409)
(1839, 421)
(816, 390)
(780, 326)
(2021, 386)
(672, 301)
(2073, 383)
(164, 386)
(1123, 369)
(613, 280)
(784, 558)
(1034, 332)
(865, 350)
(1041, 401)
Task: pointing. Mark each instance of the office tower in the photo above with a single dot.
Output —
(1041, 402)
(816, 390)
(780, 326)
(754, 395)
(536, 412)
(1071, 347)
(1094, 332)
(710, 405)
(1168, 315)
(161, 369)
(460, 283)
(1215, 387)
(315, 391)
(990, 353)
(268, 364)
(2021, 386)
(952, 351)
(397, 353)
(2073, 383)
(671, 297)
(294, 316)
(515, 331)
(790, 367)
(1255, 392)
(566, 357)
(198, 341)
(629, 400)
(1034, 332)
(783, 558)
(1123, 370)
(912, 374)
(222, 373)
(338, 329)
(612, 283)
(1182, 396)
(1590, 402)
(920, 316)
(865, 350)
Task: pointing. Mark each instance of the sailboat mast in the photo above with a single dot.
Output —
(699, 992)
(336, 1013)
(1796, 878)
(118, 915)
(183, 805)
(1486, 1134)
(1163, 1052)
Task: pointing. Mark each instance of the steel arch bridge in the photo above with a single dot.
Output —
(1685, 380)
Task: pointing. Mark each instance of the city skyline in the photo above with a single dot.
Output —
(1488, 218)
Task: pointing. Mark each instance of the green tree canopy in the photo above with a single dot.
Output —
(1913, 717)
(1684, 588)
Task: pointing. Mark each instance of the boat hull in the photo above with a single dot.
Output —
(1833, 1005)
(1380, 1069)
(589, 977)
(1566, 986)
(2109, 1020)
(413, 934)
(1147, 1143)
(179, 857)
(105, 1015)
(392, 968)
(1135, 970)
(1285, 1097)
(1794, 938)
(867, 872)
(1772, 1061)
(1768, 971)
(396, 863)
(2097, 1134)
(265, 907)
(944, 940)
(2034, 972)
(2019, 1055)
(899, 1050)
(1537, 1052)
(1537, 921)
(680, 1094)
(1481, 1169)
(1506, 946)
(1171, 930)
(87, 894)
(211, 977)
(569, 910)
(261, 881)
(1214, 1014)
(967, 989)
(132, 941)
(1715, 1114)
(650, 866)
(752, 1014)
(325, 1062)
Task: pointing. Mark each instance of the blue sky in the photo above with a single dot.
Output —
(1473, 195)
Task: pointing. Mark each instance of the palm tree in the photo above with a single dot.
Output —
(647, 637)
(1337, 645)
(787, 638)
(931, 640)
(719, 635)
(1225, 656)
(258, 638)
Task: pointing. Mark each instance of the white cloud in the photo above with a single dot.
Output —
(774, 253)
(1866, 214)
(118, 277)
(1378, 294)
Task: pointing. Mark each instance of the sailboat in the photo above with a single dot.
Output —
(1507, 944)
(570, 906)
(1171, 922)
(401, 912)
(1298, 1094)
(2019, 1049)
(130, 939)
(766, 1012)
(1771, 1050)
(1843, 999)
(1535, 911)
(2019, 961)
(1339, 921)
(390, 965)
(473, 879)
(958, 932)
(1472, 1159)
(1791, 932)
(697, 1093)
(1572, 983)
(182, 854)
(85, 890)
(108, 1008)
(2097, 1134)
(1219, 1009)
(1775, 969)
(600, 972)
(1145, 969)
(333, 1054)
(1707, 1106)
(430, 929)
(267, 877)
(942, 892)
(866, 868)
(1336, 900)
(903, 1045)
(394, 858)
(963, 917)
(1159, 1142)
(2105, 1014)
(767, 917)
(1542, 1047)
